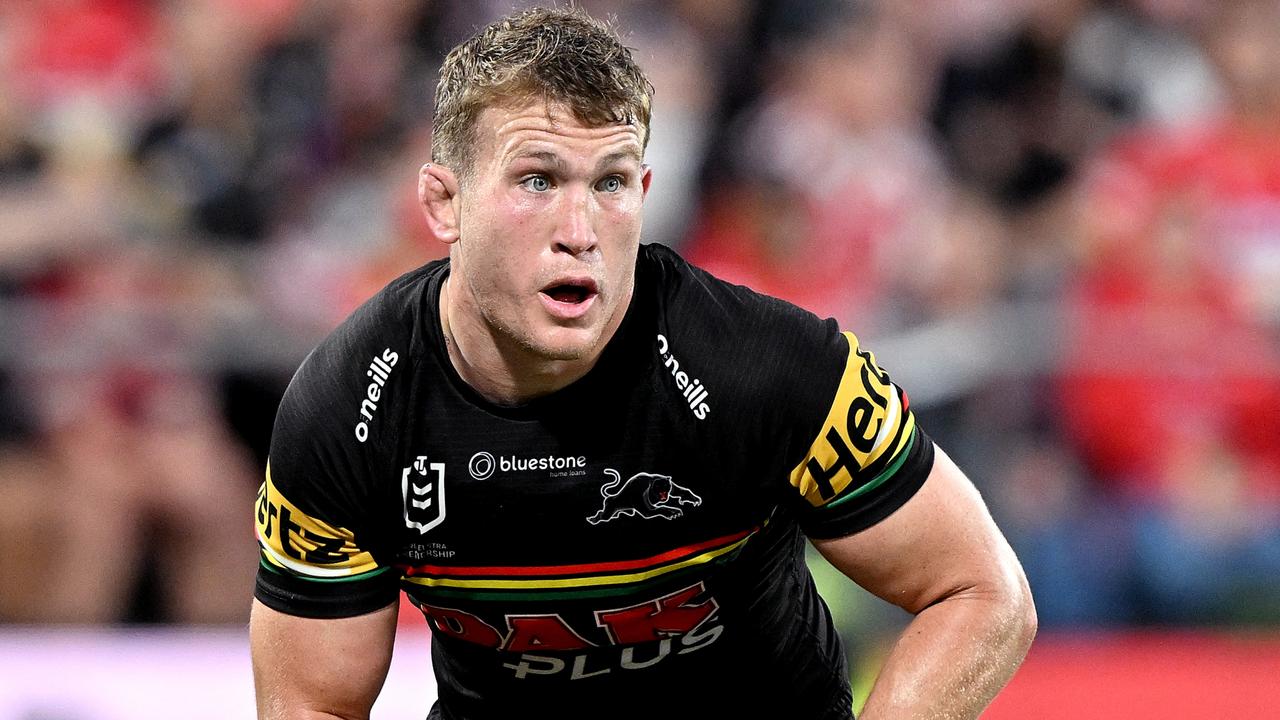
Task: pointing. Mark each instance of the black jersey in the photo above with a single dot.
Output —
(629, 546)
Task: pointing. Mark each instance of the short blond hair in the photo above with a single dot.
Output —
(559, 55)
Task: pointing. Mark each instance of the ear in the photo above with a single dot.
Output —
(646, 176)
(438, 195)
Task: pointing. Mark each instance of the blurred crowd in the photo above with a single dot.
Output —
(1057, 222)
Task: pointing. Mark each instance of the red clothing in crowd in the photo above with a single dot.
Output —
(1173, 337)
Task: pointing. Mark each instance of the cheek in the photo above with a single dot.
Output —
(496, 272)
(489, 238)
(519, 229)
(621, 217)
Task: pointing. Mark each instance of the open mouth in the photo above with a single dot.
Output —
(573, 292)
(567, 293)
(570, 299)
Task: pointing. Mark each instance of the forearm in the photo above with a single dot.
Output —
(953, 658)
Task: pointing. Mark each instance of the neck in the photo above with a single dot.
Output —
(501, 371)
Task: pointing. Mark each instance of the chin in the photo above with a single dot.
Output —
(565, 343)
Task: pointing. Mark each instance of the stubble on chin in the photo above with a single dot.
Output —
(564, 352)
(525, 338)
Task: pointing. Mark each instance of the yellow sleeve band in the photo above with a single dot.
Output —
(292, 539)
(865, 423)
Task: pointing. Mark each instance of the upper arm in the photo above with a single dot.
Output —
(879, 500)
(319, 668)
(324, 615)
(940, 543)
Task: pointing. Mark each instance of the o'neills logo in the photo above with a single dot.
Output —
(692, 388)
(379, 370)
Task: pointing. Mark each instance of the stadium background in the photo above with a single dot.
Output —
(1057, 223)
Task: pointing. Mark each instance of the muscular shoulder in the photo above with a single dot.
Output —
(799, 397)
(321, 519)
(759, 344)
(340, 391)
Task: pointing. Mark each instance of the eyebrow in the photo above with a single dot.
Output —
(606, 161)
(543, 155)
(612, 158)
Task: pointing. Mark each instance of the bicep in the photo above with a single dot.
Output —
(306, 667)
(941, 543)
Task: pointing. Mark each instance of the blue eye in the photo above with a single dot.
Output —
(537, 183)
(611, 184)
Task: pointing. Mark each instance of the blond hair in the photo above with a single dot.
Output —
(558, 55)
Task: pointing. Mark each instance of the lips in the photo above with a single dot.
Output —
(569, 297)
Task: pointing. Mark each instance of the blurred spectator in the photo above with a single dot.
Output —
(1208, 551)
(1177, 290)
(1074, 545)
(143, 474)
(28, 525)
(1140, 60)
(1012, 115)
(1172, 381)
(833, 181)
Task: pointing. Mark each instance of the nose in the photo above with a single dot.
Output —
(576, 233)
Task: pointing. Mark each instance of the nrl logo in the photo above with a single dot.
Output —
(648, 495)
(423, 494)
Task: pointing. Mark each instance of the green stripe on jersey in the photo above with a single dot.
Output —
(351, 578)
(884, 475)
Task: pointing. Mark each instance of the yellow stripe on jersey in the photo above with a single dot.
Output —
(292, 539)
(581, 581)
(866, 426)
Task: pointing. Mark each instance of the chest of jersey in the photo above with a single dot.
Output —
(578, 526)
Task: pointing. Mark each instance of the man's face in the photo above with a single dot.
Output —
(549, 228)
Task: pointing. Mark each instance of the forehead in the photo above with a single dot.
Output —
(509, 132)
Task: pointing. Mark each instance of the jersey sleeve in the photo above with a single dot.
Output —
(831, 436)
(868, 456)
(321, 551)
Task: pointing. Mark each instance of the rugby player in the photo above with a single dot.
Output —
(593, 467)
